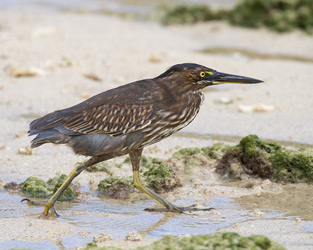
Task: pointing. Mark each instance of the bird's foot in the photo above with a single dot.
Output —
(48, 207)
(176, 209)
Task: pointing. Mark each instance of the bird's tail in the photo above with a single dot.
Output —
(49, 129)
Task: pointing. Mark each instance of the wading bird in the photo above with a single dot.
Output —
(126, 119)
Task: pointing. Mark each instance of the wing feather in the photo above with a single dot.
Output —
(113, 119)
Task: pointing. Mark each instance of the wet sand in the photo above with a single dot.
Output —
(63, 47)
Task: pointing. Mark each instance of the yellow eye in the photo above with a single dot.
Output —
(202, 74)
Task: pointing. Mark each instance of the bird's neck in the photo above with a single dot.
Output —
(180, 94)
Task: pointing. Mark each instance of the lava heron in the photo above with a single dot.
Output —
(124, 120)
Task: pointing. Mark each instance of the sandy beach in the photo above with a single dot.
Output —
(73, 56)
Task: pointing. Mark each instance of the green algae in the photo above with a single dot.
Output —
(69, 192)
(210, 152)
(185, 152)
(216, 241)
(102, 167)
(277, 15)
(194, 157)
(155, 173)
(145, 162)
(293, 166)
(251, 157)
(93, 246)
(216, 151)
(161, 178)
(35, 187)
(255, 157)
(115, 187)
(186, 14)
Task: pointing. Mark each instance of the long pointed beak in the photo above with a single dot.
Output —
(221, 78)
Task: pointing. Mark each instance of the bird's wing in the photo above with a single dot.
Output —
(113, 119)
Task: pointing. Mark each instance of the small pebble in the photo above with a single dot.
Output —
(43, 31)
(155, 58)
(133, 236)
(120, 80)
(85, 95)
(65, 62)
(26, 151)
(102, 237)
(28, 72)
(92, 77)
(224, 100)
(215, 212)
(298, 220)
(255, 108)
(258, 212)
(84, 234)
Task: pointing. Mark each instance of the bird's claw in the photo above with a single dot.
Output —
(47, 206)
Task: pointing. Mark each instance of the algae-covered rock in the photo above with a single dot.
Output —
(161, 178)
(185, 152)
(293, 166)
(93, 246)
(253, 156)
(13, 186)
(216, 241)
(35, 187)
(145, 161)
(102, 167)
(117, 188)
(155, 173)
(216, 151)
(68, 194)
(187, 14)
(278, 15)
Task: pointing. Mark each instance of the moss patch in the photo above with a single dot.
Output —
(185, 152)
(36, 187)
(186, 14)
(155, 173)
(253, 156)
(277, 15)
(161, 178)
(93, 246)
(216, 151)
(214, 241)
(102, 167)
(69, 192)
(293, 166)
(117, 188)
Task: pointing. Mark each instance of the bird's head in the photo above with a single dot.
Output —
(198, 76)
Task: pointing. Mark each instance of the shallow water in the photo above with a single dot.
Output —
(117, 218)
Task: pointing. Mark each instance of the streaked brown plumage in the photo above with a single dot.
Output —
(125, 119)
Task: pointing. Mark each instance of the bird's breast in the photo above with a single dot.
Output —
(171, 119)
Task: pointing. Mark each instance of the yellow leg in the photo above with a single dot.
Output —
(75, 172)
(169, 207)
(152, 194)
(50, 203)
